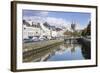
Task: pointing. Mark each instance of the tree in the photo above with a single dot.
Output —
(87, 30)
(67, 33)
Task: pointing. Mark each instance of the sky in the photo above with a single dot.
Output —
(58, 18)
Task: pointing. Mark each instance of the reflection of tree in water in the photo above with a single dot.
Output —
(86, 51)
(73, 48)
(85, 47)
(44, 55)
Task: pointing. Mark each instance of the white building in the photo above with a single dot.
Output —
(48, 31)
(37, 29)
(30, 29)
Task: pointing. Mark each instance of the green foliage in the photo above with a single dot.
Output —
(68, 33)
(87, 31)
(76, 33)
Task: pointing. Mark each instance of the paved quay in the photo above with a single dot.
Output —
(40, 44)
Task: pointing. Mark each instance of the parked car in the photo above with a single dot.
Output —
(35, 39)
(42, 38)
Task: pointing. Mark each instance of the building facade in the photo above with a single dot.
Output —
(39, 29)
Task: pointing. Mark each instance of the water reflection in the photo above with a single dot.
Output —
(86, 51)
(64, 51)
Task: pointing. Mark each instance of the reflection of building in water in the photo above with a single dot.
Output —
(73, 47)
(68, 47)
(75, 51)
(71, 41)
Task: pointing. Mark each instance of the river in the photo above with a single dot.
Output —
(63, 52)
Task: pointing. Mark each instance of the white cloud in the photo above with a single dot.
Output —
(54, 21)
(58, 22)
(34, 18)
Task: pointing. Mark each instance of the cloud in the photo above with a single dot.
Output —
(57, 22)
(34, 18)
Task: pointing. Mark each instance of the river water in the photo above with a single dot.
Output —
(63, 52)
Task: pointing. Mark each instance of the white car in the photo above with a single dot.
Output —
(42, 38)
(35, 39)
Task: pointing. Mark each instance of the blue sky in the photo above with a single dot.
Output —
(66, 17)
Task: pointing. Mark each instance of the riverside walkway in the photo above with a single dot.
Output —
(40, 44)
